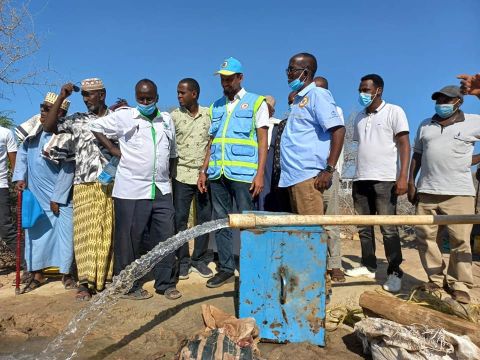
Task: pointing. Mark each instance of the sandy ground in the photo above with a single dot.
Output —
(155, 328)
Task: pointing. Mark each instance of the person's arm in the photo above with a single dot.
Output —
(403, 143)
(108, 144)
(415, 166)
(12, 157)
(202, 176)
(20, 172)
(475, 159)
(337, 136)
(258, 181)
(63, 185)
(108, 125)
(50, 124)
(470, 84)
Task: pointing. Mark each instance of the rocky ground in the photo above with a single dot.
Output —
(155, 328)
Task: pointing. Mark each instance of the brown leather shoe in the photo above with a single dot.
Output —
(461, 296)
(337, 275)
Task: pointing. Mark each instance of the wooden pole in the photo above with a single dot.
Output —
(395, 309)
(250, 221)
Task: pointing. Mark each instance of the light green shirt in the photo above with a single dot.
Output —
(192, 138)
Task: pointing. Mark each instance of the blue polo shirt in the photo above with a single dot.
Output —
(305, 142)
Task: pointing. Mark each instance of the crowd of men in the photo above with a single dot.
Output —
(231, 157)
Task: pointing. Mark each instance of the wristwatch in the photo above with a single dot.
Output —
(203, 171)
(330, 169)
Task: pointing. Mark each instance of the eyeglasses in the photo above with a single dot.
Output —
(290, 70)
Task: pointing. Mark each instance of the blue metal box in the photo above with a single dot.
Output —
(282, 282)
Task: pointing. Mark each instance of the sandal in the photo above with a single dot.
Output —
(172, 294)
(139, 294)
(68, 282)
(25, 278)
(83, 293)
(337, 275)
(32, 285)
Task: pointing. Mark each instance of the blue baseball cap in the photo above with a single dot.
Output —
(230, 66)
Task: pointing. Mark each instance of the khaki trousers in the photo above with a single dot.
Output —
(305, 199)
(459, 272)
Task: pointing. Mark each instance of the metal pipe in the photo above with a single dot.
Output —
(250, 221)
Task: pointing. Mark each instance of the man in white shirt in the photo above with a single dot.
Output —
(142, 192)
(8, 152)
(381, 131)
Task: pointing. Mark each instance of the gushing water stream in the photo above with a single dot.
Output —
(58, 349)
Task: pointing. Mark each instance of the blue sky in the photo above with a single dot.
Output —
(416, 46)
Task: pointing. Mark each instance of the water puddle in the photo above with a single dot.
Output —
(67, 344)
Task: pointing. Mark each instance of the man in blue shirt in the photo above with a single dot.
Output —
(312, 139)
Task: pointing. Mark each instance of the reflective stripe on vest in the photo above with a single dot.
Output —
(230, 155)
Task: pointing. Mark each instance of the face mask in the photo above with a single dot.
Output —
(445, 110)
(296, 84)
(147, 110)
(365, 99)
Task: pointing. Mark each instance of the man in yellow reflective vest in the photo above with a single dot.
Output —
(235, 159)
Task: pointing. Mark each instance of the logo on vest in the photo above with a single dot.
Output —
(303, 102)
(244, 106)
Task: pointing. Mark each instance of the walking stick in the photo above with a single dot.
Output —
(19, 240)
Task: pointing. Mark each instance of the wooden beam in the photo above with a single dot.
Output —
(395, 309)
(250, 221)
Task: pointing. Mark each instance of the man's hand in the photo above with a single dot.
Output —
(412, 194)
(55, 208)
(202, 183)
(115, 151)
(257, 185)
(20, 185)
(470, 84)
(323, 181)
(66, 90)
(401, 186)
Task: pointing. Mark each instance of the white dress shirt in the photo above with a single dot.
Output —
(146, 147)
(7, 145)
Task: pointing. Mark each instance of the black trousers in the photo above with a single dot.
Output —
(131, 219)
(371, 198)
(7, 229)
(183, 195)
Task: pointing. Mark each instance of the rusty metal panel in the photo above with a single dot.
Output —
(282, 282)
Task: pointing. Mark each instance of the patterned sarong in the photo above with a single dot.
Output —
(93, 233)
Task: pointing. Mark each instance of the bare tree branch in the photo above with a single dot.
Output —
(18, 42)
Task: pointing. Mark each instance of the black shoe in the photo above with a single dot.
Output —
(203, 270)
(184, 271)
(219, 279)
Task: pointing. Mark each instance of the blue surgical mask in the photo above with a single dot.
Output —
(445, 110)
(365, 99)
(147, 110)
(297, 84)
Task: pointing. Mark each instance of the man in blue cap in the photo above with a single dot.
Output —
(235, 158)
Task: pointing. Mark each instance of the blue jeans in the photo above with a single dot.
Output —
(224, 192)
(377, 197)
